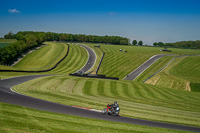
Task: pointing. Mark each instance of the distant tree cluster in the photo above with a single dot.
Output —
(30, 39)
(182, 44)
(140, 43)
(49, 36)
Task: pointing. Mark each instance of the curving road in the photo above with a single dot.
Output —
(9, 96)
(133, 75)
(91, 59)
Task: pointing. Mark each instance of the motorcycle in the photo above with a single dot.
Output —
(111, 110)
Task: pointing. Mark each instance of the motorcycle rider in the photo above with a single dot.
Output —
(113, 106)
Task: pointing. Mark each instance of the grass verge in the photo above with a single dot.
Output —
(21, 119)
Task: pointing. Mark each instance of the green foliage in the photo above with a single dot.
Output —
(10, 35)
(140, 43)
(134, 42)
(182, 44)
(124, 42)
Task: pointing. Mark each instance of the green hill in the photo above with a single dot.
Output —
(138, 100)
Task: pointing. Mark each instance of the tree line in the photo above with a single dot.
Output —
(50, 36)
(29, 39)
(181, 44)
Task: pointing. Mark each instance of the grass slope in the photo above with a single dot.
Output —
(188, 69)
(136, 100)
(44, 58)
(75, 60)
(154, 68)
(183, 73)
(15, 119)
(119, 64)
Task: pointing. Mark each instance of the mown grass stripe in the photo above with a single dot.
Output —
(113, 86)
(87, 88)
(100, 88)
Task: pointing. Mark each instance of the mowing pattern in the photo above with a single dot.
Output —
(44, 58)
(154, 68)
(179, 74)
(136, 100)
(17, 119)
(75, 60)
(119, 64)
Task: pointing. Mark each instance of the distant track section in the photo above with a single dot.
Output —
(91, 59)
(133, 75)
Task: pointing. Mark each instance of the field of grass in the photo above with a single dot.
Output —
(17, 119)
(74, 61)
(5, 42)
(188, 69)
(136, 100)
(44, 58)
(183, 73)
(119, 64)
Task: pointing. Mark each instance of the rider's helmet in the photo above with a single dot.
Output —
(115, 103)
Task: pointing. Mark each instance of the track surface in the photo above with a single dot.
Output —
(91, 59)
(8, 96)
(143, 67)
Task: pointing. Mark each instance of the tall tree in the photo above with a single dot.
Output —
(134, 42)
(10, 35)
(155, 44)
(140, 43)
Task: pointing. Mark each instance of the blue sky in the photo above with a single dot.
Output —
(146, 20)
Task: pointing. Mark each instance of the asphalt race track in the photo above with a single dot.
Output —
(9, 96)
(91, 59)
(143, 67)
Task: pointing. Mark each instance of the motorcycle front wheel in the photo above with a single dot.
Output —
(104, 111)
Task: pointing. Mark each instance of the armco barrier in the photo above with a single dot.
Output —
(40, 70)
(93, 76)
(100, 62)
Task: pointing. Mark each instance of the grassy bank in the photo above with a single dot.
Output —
(20, 119)
(43, 59)
(136, 100)
(119, 64)
(183, 73)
